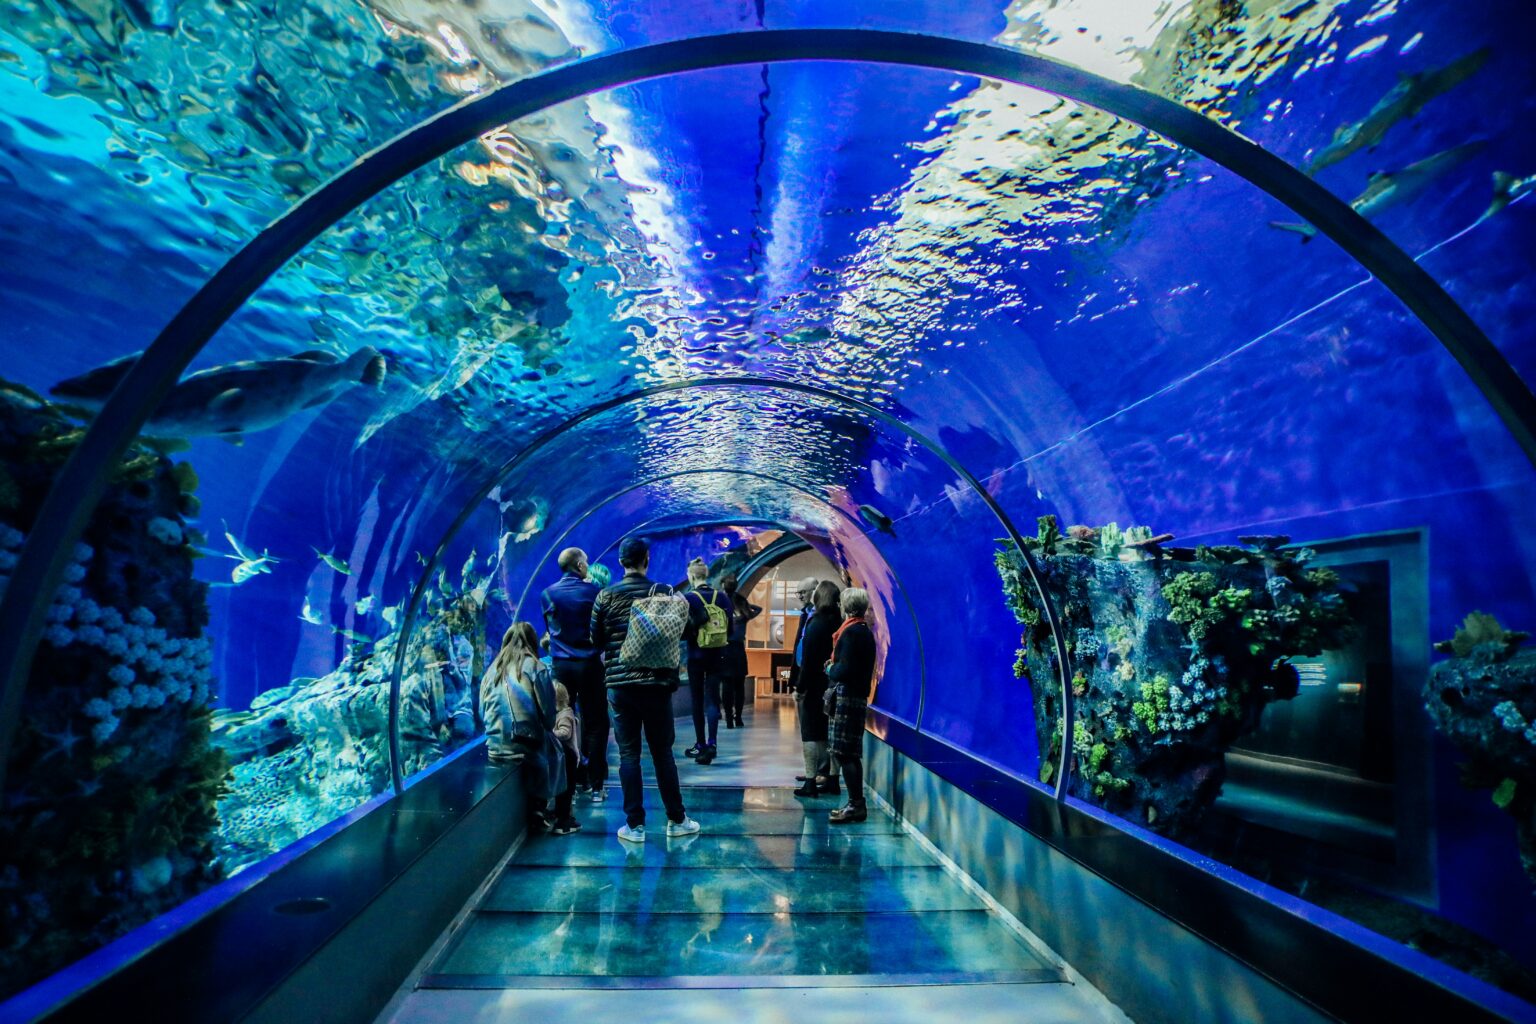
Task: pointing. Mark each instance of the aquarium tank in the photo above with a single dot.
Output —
(1170, 395)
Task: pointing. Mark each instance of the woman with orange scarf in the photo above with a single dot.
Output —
(849, 674)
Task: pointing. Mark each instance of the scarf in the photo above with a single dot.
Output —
(852, 620)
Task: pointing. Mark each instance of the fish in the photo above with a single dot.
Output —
(1389, 188)
(879, 520)
(468, 570)
(308, 614)
(1405, 99)
(528, 521)
(236, 398)
(365, 605)
(351, 635)
(333, 562)
(1506, 189)
(251, 564)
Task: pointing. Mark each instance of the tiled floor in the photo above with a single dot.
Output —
(769, 900)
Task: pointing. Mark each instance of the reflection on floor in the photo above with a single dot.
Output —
(770, 912)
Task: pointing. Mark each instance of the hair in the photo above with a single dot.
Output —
(634, 552)
(855, 601)
(729, 584)
(518, 642)
(570, 558)
(600, 574)
(562, 696)
(825, 596)
(698, 572)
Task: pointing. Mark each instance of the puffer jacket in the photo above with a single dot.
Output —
(610, 625)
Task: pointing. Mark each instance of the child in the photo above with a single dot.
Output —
(568, 732)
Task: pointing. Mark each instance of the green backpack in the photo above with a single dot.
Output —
(714, 633)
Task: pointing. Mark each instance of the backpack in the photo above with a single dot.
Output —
(716, 632)
(656, 624)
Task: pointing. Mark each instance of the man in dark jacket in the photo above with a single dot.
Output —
(641, 698)
(706, 665)
(568, 620)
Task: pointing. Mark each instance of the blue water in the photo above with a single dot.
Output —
(1096, 323)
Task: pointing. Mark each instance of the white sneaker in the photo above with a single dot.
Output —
(634, 834)
(598, 795)
(686, 827)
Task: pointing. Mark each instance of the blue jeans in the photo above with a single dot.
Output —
(704, 683)
(645, 710)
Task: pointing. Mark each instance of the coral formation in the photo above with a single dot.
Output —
(1175, 653)
(307, 753)
(1484, 699)
(109, 813)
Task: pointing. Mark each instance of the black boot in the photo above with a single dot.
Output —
(827, 785)
(706, 756)
(809, 788)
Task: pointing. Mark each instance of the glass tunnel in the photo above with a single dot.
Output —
(1162, 370)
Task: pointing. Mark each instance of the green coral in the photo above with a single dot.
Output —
(1482, 636)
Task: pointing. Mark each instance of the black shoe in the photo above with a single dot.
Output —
(730, 723)
(809, 789)
(565, 827)
(739, 723)
(828, 786)
(801, 778)
(706, 756)
(848, 815)
(693, 751)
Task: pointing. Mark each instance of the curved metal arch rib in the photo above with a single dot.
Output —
(84, 478)
(917, 626)
(408, 619)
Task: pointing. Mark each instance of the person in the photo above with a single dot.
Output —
(705, 664)
(804, 590)
(849, 674)
(574, 658)
(641, 698)
(735, 673)
(568, 732)
(815, 649)
(517, 688)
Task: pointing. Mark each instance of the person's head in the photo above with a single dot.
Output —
(728, 584)
(573, 560)
(854, 601)
(824, 596)
(520, 641)
(600, 574)
(698, 572)
(806, 590)
(635, 554)
(562, 697)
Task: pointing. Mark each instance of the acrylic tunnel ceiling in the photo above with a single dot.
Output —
(1093, 321)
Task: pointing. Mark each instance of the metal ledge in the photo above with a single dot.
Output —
(1327, 961)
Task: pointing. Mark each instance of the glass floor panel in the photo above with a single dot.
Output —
(956, 942)
(599, 849)
(667, 890)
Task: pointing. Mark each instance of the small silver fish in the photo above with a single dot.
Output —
(308, 614)
(333, 562)
(236, 398)
(251, 564)
(879, 520)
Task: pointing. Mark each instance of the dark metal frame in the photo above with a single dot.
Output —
(408, 620)
(917, 628)
(85, 476)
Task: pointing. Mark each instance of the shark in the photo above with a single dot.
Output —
(1506, 189)
(1403, 100)
(236, 398)
(1386, 189)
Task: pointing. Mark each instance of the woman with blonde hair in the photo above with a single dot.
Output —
(850, 671)
(517, 700)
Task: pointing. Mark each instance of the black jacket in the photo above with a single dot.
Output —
(610, 625)
(813, 674)
(854, 669)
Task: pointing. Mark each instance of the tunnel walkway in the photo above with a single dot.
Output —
(770, 910)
